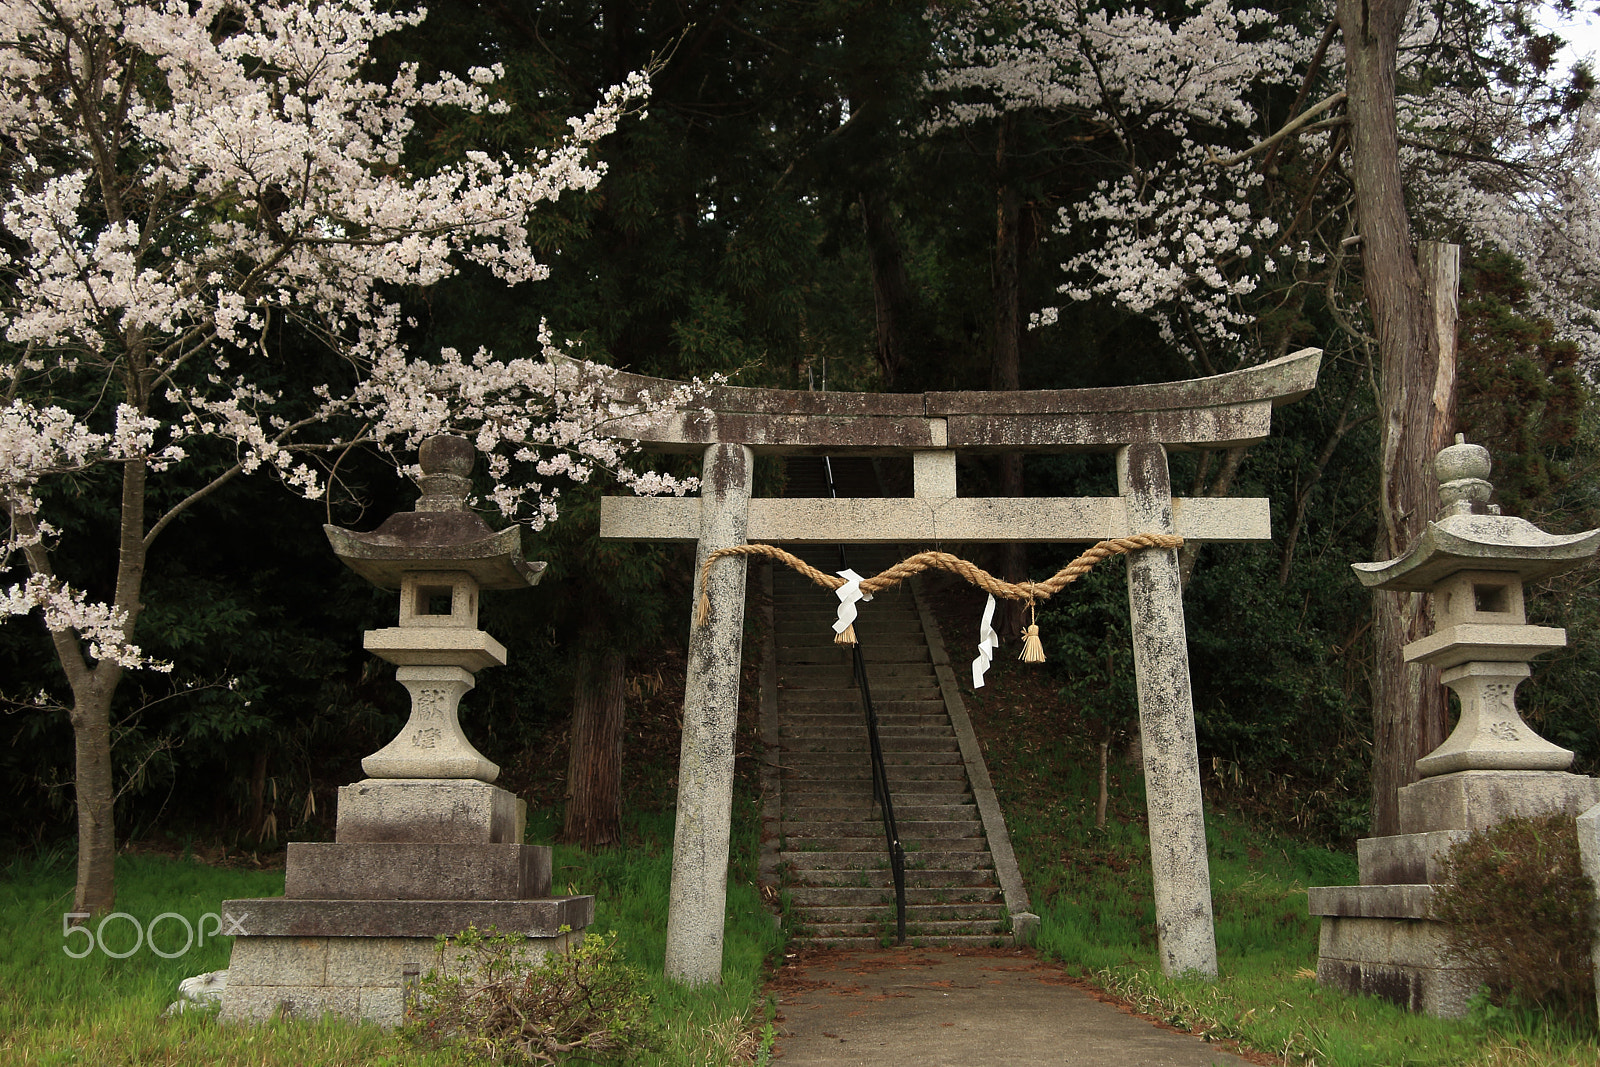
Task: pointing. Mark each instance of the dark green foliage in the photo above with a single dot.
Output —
(263, 627)
(1520, 392)
(584, 1004)
(1522, 395)
(1521, 911)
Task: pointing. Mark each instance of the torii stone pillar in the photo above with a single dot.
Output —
(710, 716)
(1185, 930)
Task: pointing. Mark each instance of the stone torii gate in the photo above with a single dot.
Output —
(1138, 423)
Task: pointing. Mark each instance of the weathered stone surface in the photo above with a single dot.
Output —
(280, 917)
(933, 475)
(279, 961)
(1589, 851)
(1490, 734)
(441, 530)
(1185, 930)
(1372, 901)
(1469, 541)
(251, 1003)
(1493, 598)
(440, 810)
(369, 978)
(1378, 937)
(416, 539)
(937, 519)
(1477, 800)
(1451, 646)
(1404, 960)
(1405, 859)
(431, 744)
(1409, 942)
(420, 871)
(1218, 427)
(1215, 412)
(1277, 382)
(436, 646)
(1443, 992)
(710, 712)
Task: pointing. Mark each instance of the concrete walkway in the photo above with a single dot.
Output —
(917, 1007)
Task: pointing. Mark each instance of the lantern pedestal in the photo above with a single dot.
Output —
(359, 920)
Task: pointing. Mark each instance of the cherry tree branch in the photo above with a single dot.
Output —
(220, 480)
(68, 648)
(1296, 125)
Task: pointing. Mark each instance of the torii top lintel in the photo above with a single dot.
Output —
(1222, 411)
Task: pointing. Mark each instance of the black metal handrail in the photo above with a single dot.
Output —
(880, 773)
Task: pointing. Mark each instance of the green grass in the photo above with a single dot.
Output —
(99, 1010)
(1092, 891)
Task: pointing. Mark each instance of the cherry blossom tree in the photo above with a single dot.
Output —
(1192, 222)
(184, 183)
(1165, 234)
(1406, 121)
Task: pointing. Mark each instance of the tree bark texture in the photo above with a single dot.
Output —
(594, 765)
(258, 794)
(96, 889)
(1005, 368)
(1415, 402)
(891, 288)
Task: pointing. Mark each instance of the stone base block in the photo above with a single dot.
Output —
(1405, 859)
(283, 917)
(371, 978)
(415, 871)
(1372, 901)
(1477, 800)
(433, 810)
(1403, 960)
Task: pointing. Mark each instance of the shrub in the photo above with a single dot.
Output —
(584, 1003)
(1521, 910)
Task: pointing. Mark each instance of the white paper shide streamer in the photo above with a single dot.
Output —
(848, 593)
(988, 641)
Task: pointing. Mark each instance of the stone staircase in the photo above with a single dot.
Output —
(832, 846)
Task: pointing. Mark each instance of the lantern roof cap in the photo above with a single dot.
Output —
(1471, 534)
(442, 533)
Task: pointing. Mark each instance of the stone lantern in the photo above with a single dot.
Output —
(1378, 937)
(1475, 562)
(425, 845)
(439, 557)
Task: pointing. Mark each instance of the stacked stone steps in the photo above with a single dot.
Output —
(841, 890)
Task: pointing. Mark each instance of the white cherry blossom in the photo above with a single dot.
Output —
(180, 181)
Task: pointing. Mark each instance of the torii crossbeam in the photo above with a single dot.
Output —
(1139, 423)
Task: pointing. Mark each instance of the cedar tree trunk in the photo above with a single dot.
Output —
(594, 767)
(891, 289)
(1415, 402)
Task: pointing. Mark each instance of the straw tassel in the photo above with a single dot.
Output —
(702, 613)
(847, 636)
(1032, 648)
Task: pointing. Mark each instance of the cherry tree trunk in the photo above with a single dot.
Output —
(93, 690)
(1416, 400)
(594, 766)
(96, 889)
